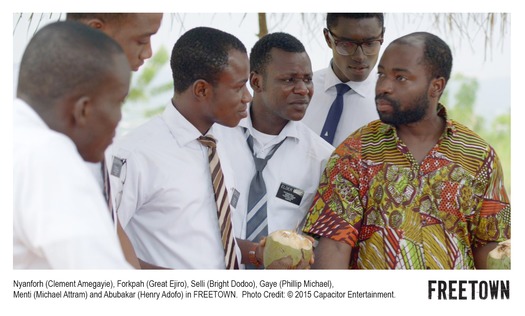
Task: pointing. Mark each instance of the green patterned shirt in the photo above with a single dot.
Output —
(397, 213)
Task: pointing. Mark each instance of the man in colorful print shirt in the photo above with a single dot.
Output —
(415, 189)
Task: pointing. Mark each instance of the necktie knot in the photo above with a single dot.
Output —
(342, 88)
(260, 163)
(208, 141)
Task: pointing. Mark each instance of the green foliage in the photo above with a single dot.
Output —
(148, 93)
(143, 87)
(462, 109)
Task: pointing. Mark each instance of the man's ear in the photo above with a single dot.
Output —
(82, 110)
(202, 89)
(256, 81)
(327, 38)
(95, 23)
(437, 86)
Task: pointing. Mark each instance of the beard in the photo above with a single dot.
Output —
(414, 113)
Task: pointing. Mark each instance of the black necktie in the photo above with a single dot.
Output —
(332, 119)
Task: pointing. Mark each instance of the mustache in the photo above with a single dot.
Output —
(385, 98)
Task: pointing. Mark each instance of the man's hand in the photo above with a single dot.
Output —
(287, 262)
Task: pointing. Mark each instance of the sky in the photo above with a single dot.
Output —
(410, 287)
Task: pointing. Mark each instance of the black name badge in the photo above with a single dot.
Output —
(290, 194)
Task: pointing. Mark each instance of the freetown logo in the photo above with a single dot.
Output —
(468, 290)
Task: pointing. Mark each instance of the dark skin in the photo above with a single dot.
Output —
(281, 94)
(134, 36)
(77, 114)
(127, 247)
(402, 77)
(88, 118)
(133, 33)
(204, 104)
(356, 67)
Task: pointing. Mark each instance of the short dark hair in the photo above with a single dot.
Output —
(333, 18)
(64, 58)
(201, 53)
(260, 54)
(437, 55)
(104, 17)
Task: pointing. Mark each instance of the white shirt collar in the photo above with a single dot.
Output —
(290, 129)
(29, 112)
(180, 128)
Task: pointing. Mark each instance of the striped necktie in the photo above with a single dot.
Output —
(107, 188)
(223, 204)
(257, 219)
(334, 114)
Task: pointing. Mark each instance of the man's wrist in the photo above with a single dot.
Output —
(252, 256)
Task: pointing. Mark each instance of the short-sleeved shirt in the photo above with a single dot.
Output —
(160, 176)
(291, 175)
(397, 213)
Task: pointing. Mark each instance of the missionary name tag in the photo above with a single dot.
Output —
(290, 194)
(116, 167)
(235, 197)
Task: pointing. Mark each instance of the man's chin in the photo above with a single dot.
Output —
(93, 157)
(384, 118)
(358, 76)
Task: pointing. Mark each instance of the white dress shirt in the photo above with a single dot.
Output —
(291, 175)
(359, 104)
(164, 195)
(60, 218)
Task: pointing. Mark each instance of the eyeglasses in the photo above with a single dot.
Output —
(348, 47)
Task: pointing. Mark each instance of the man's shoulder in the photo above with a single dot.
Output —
(321, 72)
(375, 127)
(467, 138)
(319, 76)
(145, 134)
(226, 132)
(35, 141)
(311, 141)
(373, 130)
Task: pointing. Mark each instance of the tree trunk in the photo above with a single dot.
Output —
(263, 26)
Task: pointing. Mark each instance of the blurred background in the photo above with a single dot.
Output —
(478, 94)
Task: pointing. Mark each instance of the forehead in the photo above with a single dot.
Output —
(403, 57)
(237, 69)
(357, 28)
(289, 62)
(142, 23)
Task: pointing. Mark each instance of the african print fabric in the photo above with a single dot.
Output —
(397, 213)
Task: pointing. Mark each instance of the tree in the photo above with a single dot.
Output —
(462, 109)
